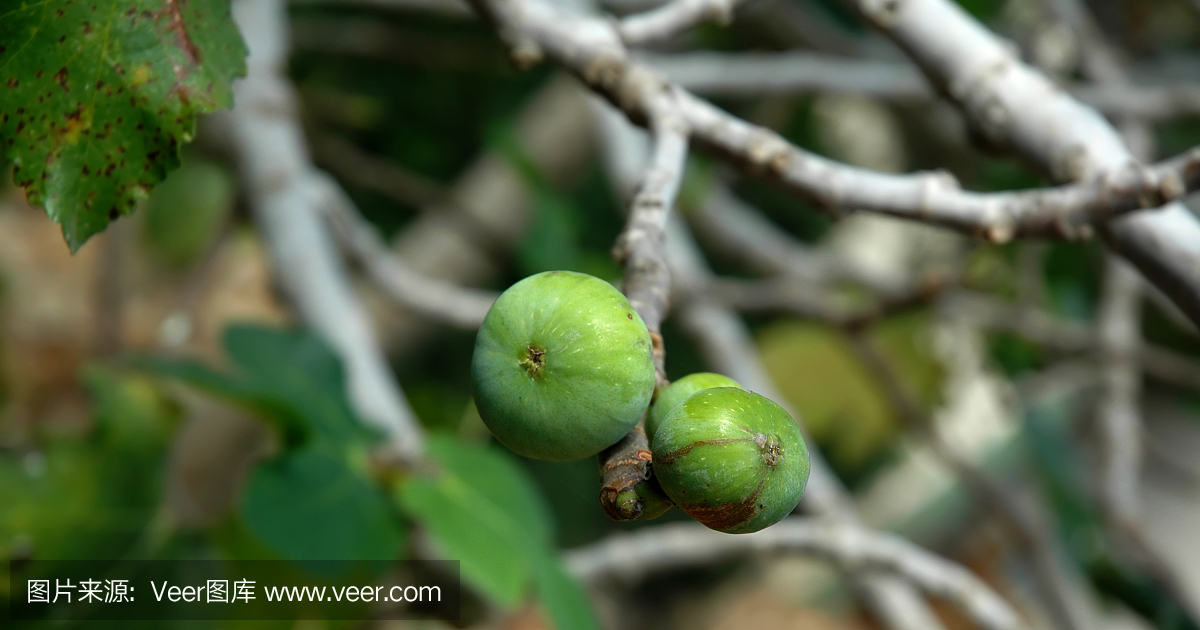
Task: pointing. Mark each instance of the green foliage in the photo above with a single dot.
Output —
(481, 508)
(291, 378)
(99, 96)
(344, 515)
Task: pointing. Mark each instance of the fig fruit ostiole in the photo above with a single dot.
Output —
(731, 459)
(563, 366)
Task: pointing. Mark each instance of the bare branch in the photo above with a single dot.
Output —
(446, 8)
(670, 19)
(632, 556)
(351, 164)
(804, 72)
(592, 50)
(286, 193)
(1119, 328)
(1064, 335)
(647, 284)
(431, 297)
(1013, 105)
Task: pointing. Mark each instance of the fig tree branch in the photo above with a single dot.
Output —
(647, 284)
(592, 50)
(1017, 107)
(430, 297)
(663, 22)
(635, 555)
(802, 72)
(727, 345)
(285, 193)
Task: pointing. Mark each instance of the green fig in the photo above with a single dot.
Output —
(563, 366)
(731, 459)
(678, 392)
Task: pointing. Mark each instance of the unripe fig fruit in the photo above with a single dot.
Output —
(563, 366)
(731, 459)
(678, 392)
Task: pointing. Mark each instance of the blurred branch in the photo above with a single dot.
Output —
(445, 8)
(487, 209)
(647, 284)
(1064, 335)
(430, 297)
(391, 43)
(286, 193)
(1013, 105)
(804, 72)
(1119, 336)
(631, 556)
(784, 295)
(347, 162)
(1017, 509)
(672, 18)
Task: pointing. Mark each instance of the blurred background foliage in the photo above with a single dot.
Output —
(199, 434)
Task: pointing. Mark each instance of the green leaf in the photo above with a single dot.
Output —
(297, 368)
(288, 376)
(310, 505)
(98, 96)
(484, 511)
(562, 596)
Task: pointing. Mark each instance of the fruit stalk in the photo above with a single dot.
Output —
(647, 284)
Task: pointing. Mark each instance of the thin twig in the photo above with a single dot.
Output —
(631, 556)
(433, 298)
(664, 22)
(755, 74)
(647, 284)
(1119, 328)
(353, 165)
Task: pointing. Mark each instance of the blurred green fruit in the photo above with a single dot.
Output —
(731, 459)
(563, 366)
(678, 392)
(187, 210)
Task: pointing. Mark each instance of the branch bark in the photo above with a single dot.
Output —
(286, 193)
(647, 284)
(634, 555)
(1015, 106)
(664, 22)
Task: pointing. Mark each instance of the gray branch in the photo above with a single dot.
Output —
(286, 193)
(632, 556)
(427, 296)
(1014, 105)
(666, 21)
(747, 74)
